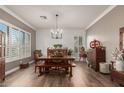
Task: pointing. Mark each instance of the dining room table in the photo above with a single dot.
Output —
(66, 62)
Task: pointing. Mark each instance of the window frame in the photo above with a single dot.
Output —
(19, 30)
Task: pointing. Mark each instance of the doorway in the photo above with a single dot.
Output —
(78, 43)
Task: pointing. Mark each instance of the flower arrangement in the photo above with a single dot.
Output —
(118, 55)
(57, 45)
(115, 54)
(70, 52)
(119, 59)
(121, 55)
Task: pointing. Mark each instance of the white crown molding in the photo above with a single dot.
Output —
(105, 12)
(16, 16)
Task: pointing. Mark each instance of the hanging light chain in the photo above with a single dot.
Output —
(57, 31)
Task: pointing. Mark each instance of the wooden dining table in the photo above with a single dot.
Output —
(66, 62)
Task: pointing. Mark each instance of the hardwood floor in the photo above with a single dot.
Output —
(83, 76)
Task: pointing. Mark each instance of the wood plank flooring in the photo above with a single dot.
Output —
(83, 76)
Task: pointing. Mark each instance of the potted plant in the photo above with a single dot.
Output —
(70, 52)
(115, 54)
(119, 59)
(57, 46)
(60, 45)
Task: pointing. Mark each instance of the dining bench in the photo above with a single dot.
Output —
(45, 67)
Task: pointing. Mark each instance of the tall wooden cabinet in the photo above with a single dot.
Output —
(2, 56)
(95, 56)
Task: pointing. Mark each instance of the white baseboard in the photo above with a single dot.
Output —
(11, 71)
(15, 69)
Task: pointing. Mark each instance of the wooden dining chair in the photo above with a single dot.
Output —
(37, 55)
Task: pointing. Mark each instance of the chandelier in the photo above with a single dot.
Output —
(56, 33)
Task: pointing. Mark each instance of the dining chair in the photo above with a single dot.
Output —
(37, 55)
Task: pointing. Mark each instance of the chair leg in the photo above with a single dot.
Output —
(71, 71)
(79, 59)
(40, 71)
(35, 69)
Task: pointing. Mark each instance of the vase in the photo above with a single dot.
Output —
(119, 65)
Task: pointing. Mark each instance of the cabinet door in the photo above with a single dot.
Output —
(2, 56)
(0, 66)
(91, 56)
(100, 55)
(0, 44)
(3, 68)
(1, 79)
(0, 52)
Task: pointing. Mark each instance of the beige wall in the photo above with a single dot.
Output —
(107, 30)
(12, 20)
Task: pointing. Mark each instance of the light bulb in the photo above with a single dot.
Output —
(61, 30)
(52, 31)
(57, 29)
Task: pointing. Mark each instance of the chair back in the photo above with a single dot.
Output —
(37, 54)
(57, 52)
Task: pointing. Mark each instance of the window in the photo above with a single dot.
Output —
(13, 42)
(3, 27)
(27, 45)
(21, 44)
(24, 44)
(18, 43)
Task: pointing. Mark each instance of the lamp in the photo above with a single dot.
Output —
(57, 32)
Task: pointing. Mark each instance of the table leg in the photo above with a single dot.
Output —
(46, 69)
(40, 71)
(71, 71)
(111, 77)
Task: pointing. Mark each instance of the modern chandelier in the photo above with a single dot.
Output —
(56, 33)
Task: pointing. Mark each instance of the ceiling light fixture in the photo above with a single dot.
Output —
(57, 32)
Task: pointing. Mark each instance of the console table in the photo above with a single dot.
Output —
(117, 76)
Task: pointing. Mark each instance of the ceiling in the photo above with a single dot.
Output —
(70, 16)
